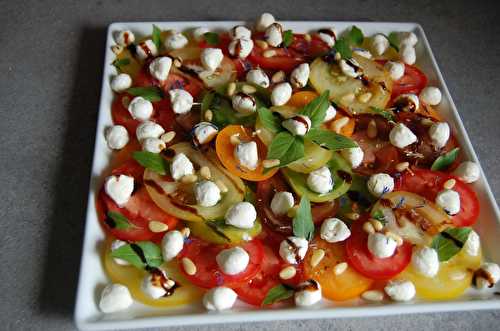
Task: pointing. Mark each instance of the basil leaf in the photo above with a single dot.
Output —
(356, 36)
(151, 93)
(269, 120)
(342, 46)
(287, 38)
(444, 161)
(387, 114)
(152, 161)
(156, 36)
(393, 40)
(119, 63)
(223, 113)
(303, 225)
(278, 293)
(316, 109)
(449, 242)
(211, 38)
(120, 222)
(143, 254)
(286, 148)
(330, 140)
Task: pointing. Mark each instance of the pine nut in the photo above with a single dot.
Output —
(231, 88)
(458, 275)
(395, 237)
(292, 211)
(188, 179)
(262, 44)
(341, 79)
(168, 136)
(340, 268)
(352, 216)
(209, 115)
(316, 257)
(185, 232)
(235, 139)
(169, 283)
(371, 130)
(189, 266)
(449, 184)
(338, 124)
(338, 56)
(205, 172)
(288, 272)
(270, 163)
(377, 225)
(373, 295)
(278, 77)
(269, 53)
(400, 167)
(347, 98)
(248, 89)
(177, 62)
(368, 227)
(157, 227)
(307, 37)
(365, 97)
(222, 187)
(117, 49)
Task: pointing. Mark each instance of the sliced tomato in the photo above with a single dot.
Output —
(360, 258)
(413, 81)
(285, 59)
(301, 98)
(225, 152)
(208, 274)
(310, 48)
(428, 183)
(139, 210)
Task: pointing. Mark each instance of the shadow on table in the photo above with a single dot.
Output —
(71, 181)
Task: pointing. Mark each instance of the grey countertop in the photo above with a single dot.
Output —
(50, 69)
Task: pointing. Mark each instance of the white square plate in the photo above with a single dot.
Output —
(92, 276)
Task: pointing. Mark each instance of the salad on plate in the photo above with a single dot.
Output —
(275, 167)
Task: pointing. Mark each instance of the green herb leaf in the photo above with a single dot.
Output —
(119, 63)
(356, 36)
(387, 114)
(143, 254)
(278, 293)
(151, 93)
(152, 161)
(444, 161)
(330, 140)
(223, 113)
(286, 148)
(379, 216)
(211, 38)
(449, 242)
(287, 38)
(342, 46)
(316, 109)
(120, 221)
(303, 225)
(393, 40)
(269, 120)
(156, 36)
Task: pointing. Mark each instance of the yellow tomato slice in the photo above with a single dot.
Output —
(225, 152)
(348, 285)
(132, 277)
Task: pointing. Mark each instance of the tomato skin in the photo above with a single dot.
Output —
(360, 258)
(208, 275)
(412, 82)
(428, 184)
(285, 59)
(311, 49)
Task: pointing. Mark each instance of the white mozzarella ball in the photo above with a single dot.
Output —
(219, 298)
(400, 290)
(308, 294)
(244, 103)
(363, 53)
(171, 244)
(247, 154)
(153, 284)
(380, 184)
(181, 166)
(207, 193)
(117, 137)
(264, 21)
(472, 245)
(331, 112)
(211, 58)
(282, 202)
(153, 145)
(258, 77)
(320, 180)
(148, 129)
(468, 171)
(439, 133)
(115, 297)
(334, 230)
(425, 261)
(408, 38)
(119, 188)
(407, 54)
(328, 36)
(175, 40)
(204, 132)
(492, 270)
(240, 47)
(400, 136)
(381, 246)
(281, 94)
(182, 101)
(407, 102)
(241, 215)
(350, 68)
(449, 200)
(380, 44)
(121, 82)
(293, 249)
(274, 34)
(300, 75)
(233, 261)
(146, 49)
(353, 155)
(114, 246)
(199, 33)
(125, 38)
(396, 69)
(140, 108)
(160, 67)
(431, 95)
(298, 125)
(241, 32)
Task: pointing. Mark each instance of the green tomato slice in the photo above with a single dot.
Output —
(218, 232)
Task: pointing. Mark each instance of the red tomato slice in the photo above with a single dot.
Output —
(285, 59)
(428, 183)
(139, 210)
(360, 258)
(311, 49)
(208, 274)
(413, 82)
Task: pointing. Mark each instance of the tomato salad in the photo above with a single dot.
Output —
(266, 165)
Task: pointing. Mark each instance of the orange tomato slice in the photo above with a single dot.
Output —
(301, 98)
(225, 152)
(348, 129)
(348, 285)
